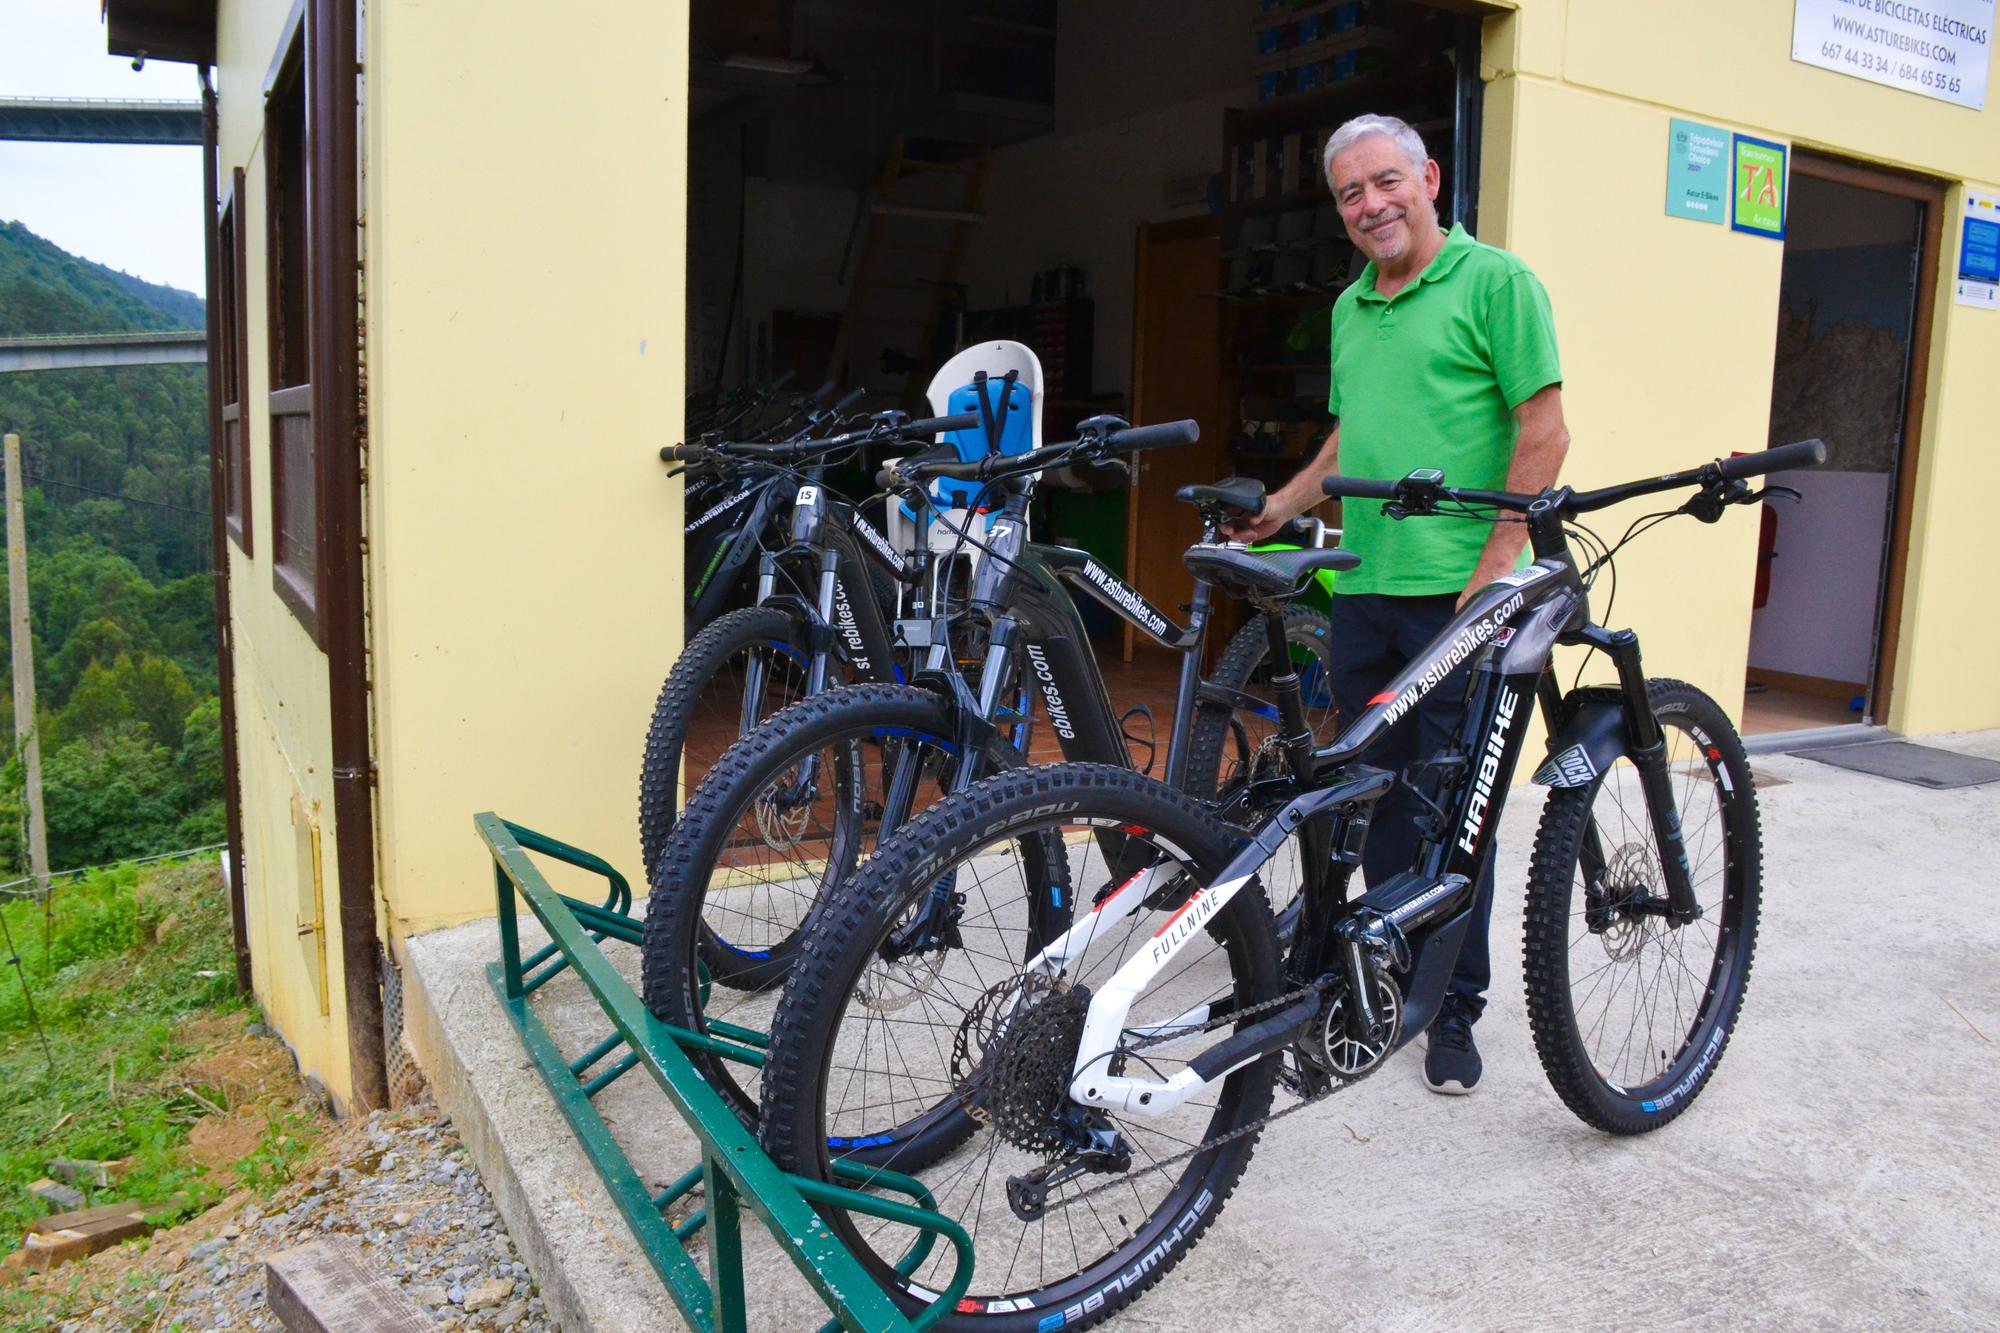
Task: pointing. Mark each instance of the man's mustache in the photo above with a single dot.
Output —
(1382, 219)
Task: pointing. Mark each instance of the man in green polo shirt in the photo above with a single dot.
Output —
(1444, 356)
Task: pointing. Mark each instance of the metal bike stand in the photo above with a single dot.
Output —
(734, 1171)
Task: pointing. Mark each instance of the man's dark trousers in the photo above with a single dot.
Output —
(1374, 637)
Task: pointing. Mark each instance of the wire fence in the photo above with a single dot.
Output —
(34, 892)
(12, 888)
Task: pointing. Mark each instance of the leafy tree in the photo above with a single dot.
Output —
(118, 560)
(110, 797)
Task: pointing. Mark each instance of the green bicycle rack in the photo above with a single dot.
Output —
(734, 1171)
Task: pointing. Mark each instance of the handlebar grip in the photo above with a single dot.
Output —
(1358, 488)
(938, 425)
(820, 395)
(785, 377)
(1165, 435)
(680, 453)
(1806, 453)
(848, 400)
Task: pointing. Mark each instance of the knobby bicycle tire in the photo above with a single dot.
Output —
(1570, 958)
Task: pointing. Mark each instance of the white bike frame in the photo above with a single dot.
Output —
(1104, 1026)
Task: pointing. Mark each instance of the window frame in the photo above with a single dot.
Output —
(233, 344)
(298, 570)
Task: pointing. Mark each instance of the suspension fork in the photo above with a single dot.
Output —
(1554, 718)
(1648, 744)
(753, 671)
(829, 578)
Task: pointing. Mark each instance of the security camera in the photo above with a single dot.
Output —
(138, 62)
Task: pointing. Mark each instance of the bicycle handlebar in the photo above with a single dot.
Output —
(1131, 439)
(775, 453)
(1806, 453)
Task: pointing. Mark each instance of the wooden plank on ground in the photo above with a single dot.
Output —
(322, 1287)
(83, 1217)
(69, 1236)
(87, 1172)
(59, 1197)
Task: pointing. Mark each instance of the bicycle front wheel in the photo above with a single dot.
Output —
(752, 660)
(1630, 1011)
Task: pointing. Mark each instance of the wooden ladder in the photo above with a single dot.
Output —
(914, 235)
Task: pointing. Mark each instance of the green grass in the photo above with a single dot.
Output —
(108, 998)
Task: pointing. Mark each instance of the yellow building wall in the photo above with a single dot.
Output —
(525, 197)
(1668, 326)
(283, 711)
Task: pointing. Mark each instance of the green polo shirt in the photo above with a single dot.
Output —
(1431, 378)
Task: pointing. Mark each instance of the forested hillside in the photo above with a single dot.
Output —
(118, 559)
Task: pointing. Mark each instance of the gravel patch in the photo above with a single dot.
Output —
(398, 1187)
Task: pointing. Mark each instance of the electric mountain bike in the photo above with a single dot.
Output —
(824, 590)
(798, 803)
(1108, 1064)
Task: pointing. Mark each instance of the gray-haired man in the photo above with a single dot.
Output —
(1444, 355)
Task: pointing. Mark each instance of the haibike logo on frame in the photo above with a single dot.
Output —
(722, 508)
(1058, 714)
(843, 620)
(1489, 769)
(1465, 645)
(1124, 596)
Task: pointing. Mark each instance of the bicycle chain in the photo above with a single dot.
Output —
(1124, 1178)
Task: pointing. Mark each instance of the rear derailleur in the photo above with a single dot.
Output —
(1097, 1149)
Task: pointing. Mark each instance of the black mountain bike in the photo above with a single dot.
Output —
(1096, 1074)
(824, 592)
(798, 803)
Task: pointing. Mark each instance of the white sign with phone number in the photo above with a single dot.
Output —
(1934, 48)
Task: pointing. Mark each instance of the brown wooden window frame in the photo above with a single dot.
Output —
(297, 543)
(233, 315)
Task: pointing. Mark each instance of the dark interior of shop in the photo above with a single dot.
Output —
(1132, 188)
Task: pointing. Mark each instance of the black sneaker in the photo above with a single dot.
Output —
(1452, 1065)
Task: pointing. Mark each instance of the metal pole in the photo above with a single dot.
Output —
(24, 670)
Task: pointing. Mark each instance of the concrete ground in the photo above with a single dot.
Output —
(1840, 1171)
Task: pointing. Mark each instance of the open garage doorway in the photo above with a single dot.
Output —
(1860, 265)
(874, 185)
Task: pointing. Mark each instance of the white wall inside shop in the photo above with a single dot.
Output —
(1078, 198)
(1125, 127)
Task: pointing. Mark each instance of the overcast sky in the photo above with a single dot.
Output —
(136, 208)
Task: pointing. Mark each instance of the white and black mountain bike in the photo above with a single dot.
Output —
(1092, 1073)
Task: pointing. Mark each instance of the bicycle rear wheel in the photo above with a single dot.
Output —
(1630, 1012)
(995, 1048)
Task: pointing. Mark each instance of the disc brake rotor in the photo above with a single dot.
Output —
(886, 987)
(782, 820)
(1630, 877)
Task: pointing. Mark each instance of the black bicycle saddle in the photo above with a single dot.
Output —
(1261, 576)
(1245, 495)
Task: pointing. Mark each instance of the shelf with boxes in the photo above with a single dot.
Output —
(1284, 255)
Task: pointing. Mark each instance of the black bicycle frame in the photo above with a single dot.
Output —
(726, 537)
(1020, 589)
(1505, 635)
